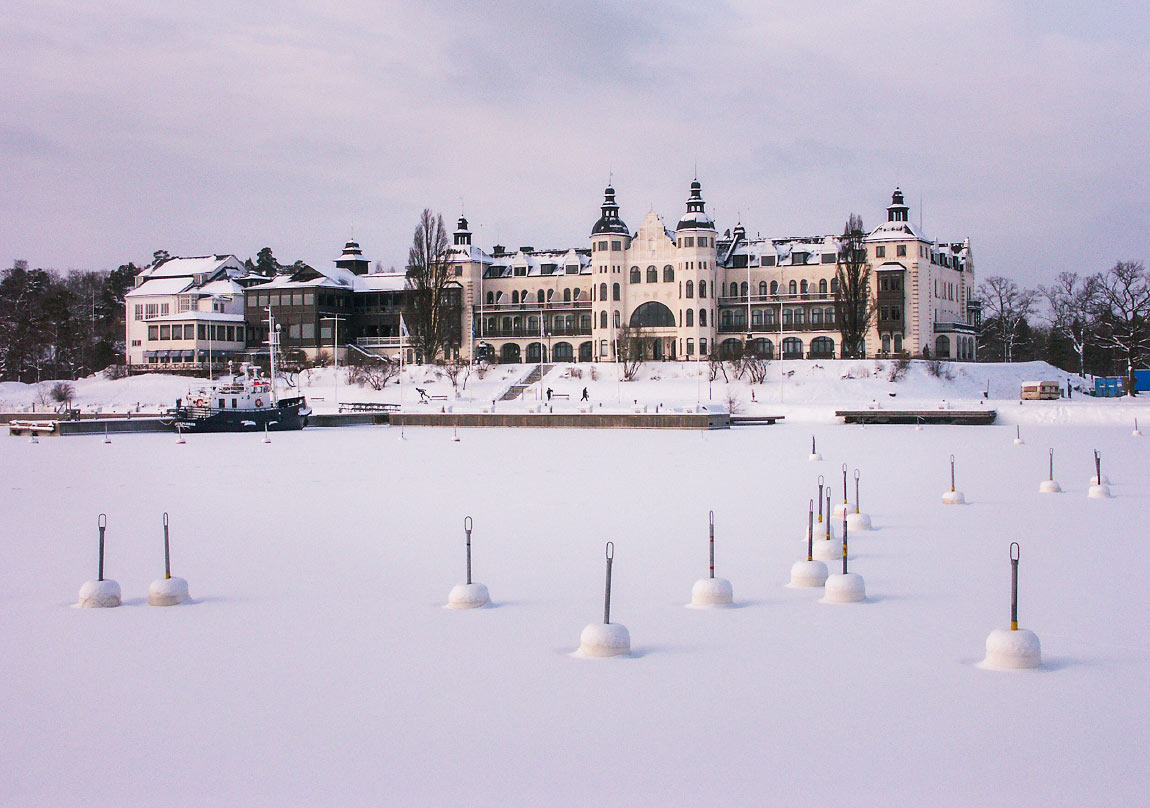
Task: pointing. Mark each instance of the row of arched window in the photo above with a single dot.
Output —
(803, 287)
(524, 296)
(653, 275)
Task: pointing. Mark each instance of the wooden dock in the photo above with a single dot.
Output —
(568, 420)
(879, 416)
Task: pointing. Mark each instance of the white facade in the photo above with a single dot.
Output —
(185, 312)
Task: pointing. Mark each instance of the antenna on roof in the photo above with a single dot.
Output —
(461, 213)
(696, 177)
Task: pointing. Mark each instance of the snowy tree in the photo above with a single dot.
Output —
(1123, 309)
(853, 311)
(1005, 307)
(1072, 300)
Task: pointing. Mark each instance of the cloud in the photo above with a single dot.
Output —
(209, 127)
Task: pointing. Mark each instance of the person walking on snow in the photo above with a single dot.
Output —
(585, 396)
(549, 393)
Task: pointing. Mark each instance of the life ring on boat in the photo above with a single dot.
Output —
(200, 402)
(259, 402)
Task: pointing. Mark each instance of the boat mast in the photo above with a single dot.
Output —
(273, 343)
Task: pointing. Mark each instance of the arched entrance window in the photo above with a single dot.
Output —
(652, 314)
(586, 351)
(792, 348)
(509, 354)
(763, 348)
(725, 318)
(942, 347)
(822, 348)
(536, 352)
(898, 343)
(635, 275)
(484, 351)
(563, 352)
(730, 349)
(886, 343)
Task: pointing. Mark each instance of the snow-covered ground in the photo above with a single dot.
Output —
(317, 665)
(801, 390)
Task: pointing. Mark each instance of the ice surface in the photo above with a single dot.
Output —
(318, 665)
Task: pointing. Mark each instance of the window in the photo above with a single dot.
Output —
(602, 348)
(602, 291)
(600, 245)
(566, 295)
(702, 289)
(189, 331)
(800, 316)
(702, 317)
(293, 331)
(690, 318)
(668, 274)
(153, 332)
(900, 251)
(689, 241)
(896, 312)
(539, 296)
(652, 275)
(740, 319)
(822, 287)
(898, 343)
(702, 347)
(767, 261)
(636, 276)
(297, 299)
(615, 292)
(834, 286)
(490, 298)
(829, 316)
(690, 346)
(618, 320)
(690, 289)
(616, 245)
(769, 317)
(307, 331)
(756, 317)
(793, 288)
(165, 332)
(788, 317)
(803, 287)
(762, 288)
(743, 290)
(575, 294)
(828, 258)
(880, 251)
(886, 343)
(725, 319)
(816, 316)
(603, 319)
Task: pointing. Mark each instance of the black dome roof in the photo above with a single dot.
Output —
(609, 221)
(696, 217)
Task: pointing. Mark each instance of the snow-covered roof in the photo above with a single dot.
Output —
(890, 266)
(195, 265)
(161, 286)
(224, 286)
(539, 263)
(888, 231)
(381, 282)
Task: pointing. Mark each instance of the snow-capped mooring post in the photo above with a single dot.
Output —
(1050, 485)
(180, 435)
(858, 520)
(1137, 433)
(814, 455)
(605, 639)
(1018, 441)
(267, 439)
(469, 595)
(841, 510)
(825, 550)
(1013, 648)
(1099, 485)
(101, 593)
(107, 438)
(848, 587)
(821, 501)
(809, 572)
(169, 590)
(709, 591)
(953, 496)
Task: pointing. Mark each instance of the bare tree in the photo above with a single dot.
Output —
(632, 349)
(853, 310)
(1005, 307)
(715, 366)
(1073, 301)
(1123, 310)
(457, 373)
(433, 306)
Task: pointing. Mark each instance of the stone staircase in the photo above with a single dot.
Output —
(516, 390)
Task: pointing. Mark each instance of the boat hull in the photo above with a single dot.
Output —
(289, 414)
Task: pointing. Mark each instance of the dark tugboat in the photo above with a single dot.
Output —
(246, 403)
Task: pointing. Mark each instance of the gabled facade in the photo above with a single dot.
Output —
(185, 313)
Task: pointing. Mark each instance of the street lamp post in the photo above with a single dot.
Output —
(335, 318)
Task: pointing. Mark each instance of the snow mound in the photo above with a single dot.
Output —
(844, 588)
(604, 640)
(168, 591)
(808, 573)
(468, 596)
(99, 594)
(1012, 650)
(711, 592)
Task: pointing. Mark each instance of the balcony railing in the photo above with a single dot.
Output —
(773, 328)
(382, 342)
(774, 300)
(957, 328)
(550, 305)
(499, 333)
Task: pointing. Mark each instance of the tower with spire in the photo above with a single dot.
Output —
(610, 240)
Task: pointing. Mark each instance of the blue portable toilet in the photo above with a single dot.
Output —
(1108, 386)
(1141, 381)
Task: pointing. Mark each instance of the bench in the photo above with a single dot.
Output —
(561, 395)
(437, 398)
